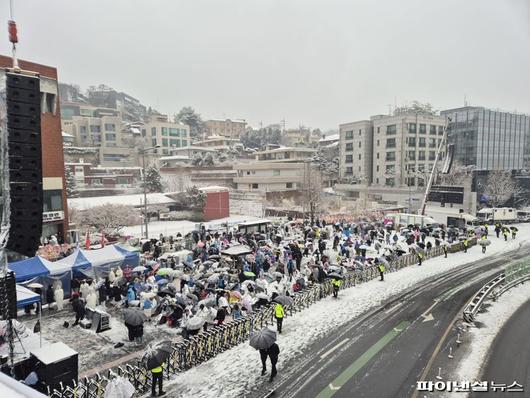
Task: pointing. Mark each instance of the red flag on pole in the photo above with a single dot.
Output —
(102, 238)
(87, 241)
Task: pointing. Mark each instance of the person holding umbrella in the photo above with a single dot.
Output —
(154, 358)
(264, 340)
(273, 352)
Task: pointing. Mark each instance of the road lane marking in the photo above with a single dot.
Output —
(427, 314)
(360, 362)
(334, 348)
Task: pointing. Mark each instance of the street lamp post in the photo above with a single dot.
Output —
(142, 152)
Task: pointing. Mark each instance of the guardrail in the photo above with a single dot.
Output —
(199, 348)
(474, 305)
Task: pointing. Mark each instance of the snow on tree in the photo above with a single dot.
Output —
(174, 183)
(109, 217)
(458, 174)
(153, 180)
(195, 198)
(500, 187)
(71, 184)
(258, 139)
(417, 108)
(189, 117)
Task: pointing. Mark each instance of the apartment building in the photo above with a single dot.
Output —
(355, 151)
(160, 131)
(218, 143)
(276, 170)
(226, 128)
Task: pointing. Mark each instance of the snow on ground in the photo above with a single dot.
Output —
(482, 338)
(237, 370)
(168, 228)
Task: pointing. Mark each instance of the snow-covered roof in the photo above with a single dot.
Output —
(286, 149)
(192, 148)
(67, 135)
(213, 189)
(175, 157)
(131, 200)
(135, 130)
(331, 137)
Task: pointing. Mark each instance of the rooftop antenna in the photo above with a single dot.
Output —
(389, 109)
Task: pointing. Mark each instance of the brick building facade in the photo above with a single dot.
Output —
(55, 208)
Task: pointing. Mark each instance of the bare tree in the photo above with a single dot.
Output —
(500, 187)
(458, 175)
(109, 217)
(312, 191)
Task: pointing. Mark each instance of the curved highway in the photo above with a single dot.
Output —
(384, 352)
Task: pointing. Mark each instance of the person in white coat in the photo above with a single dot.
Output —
(112, 275)
(91, 299)
(119, 273)
(84, 290)
(58, 295)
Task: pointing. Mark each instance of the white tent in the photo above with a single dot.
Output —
(107, 256)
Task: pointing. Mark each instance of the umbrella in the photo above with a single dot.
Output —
(514, 229)
(262, 339)
(283, 300)
(248, 282)
(195, 323)
(334, 268)
(262, 296)
(192, 296)
(35, 285)
(363, 247)
(139, 268)
(484, 242)
(208, 302)
(249, 274)
(134, 316)
(164, 271)
(213, 278)
(235, 294)
(335, 276)
(148, 295)
(200, 244)
(277, 275)
(166, 291)
(162, 282)
(156, 354)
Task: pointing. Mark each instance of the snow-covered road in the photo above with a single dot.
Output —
(237, 370)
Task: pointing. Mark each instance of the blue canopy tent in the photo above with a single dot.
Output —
(30, 268)
(132, 259)
(75, 262)
(26, 297)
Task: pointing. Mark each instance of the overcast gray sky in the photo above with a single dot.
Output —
(319, 63)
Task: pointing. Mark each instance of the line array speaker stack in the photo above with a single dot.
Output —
(24, 161)
(8, 296)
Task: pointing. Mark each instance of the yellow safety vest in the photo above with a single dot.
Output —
(336, 282)
(158, 369)
(381, 268)
(279, 311)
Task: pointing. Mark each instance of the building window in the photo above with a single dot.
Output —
(174, 132)
(349, 158)
(377, 155)
(410, 181)
(153, 131)
(440, 130)
(153, 141)
(164, 142)
(421, 155)
(377, 168)
(412, 142)
(254, 186)
(432, 129)
(377, 180)
(359, 144)
(164, 131)
(359, 156)
(184, 142)
(183, 133)
(143, 132)
(349, 170)
(391, 129)
(432, 142)
(377, 142)
(349, 146)
(390, 142)
(95, 129)
(48, 103)
(110, 137)
(412, 128)
(275, 172)
(165, 151)
(390, 156)
(349, 135)
(421, 142)
(432, 155)
(82, 129)
(412, 155)
(174, 143)
(288, 185)
(378, 129)
(110, 127)
(390, 181)
(52, 200)
(423, 129)
(390, 168)
(360, 132)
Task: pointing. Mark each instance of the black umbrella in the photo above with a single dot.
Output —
(134, 316)
(283, 300)
(262, 339)
(334, 275)
(166, 292)
(156, 354)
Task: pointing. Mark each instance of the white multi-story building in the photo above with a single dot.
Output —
(226, 128)
(169, 135)
(355, 151)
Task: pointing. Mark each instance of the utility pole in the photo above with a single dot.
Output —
(142, 152)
